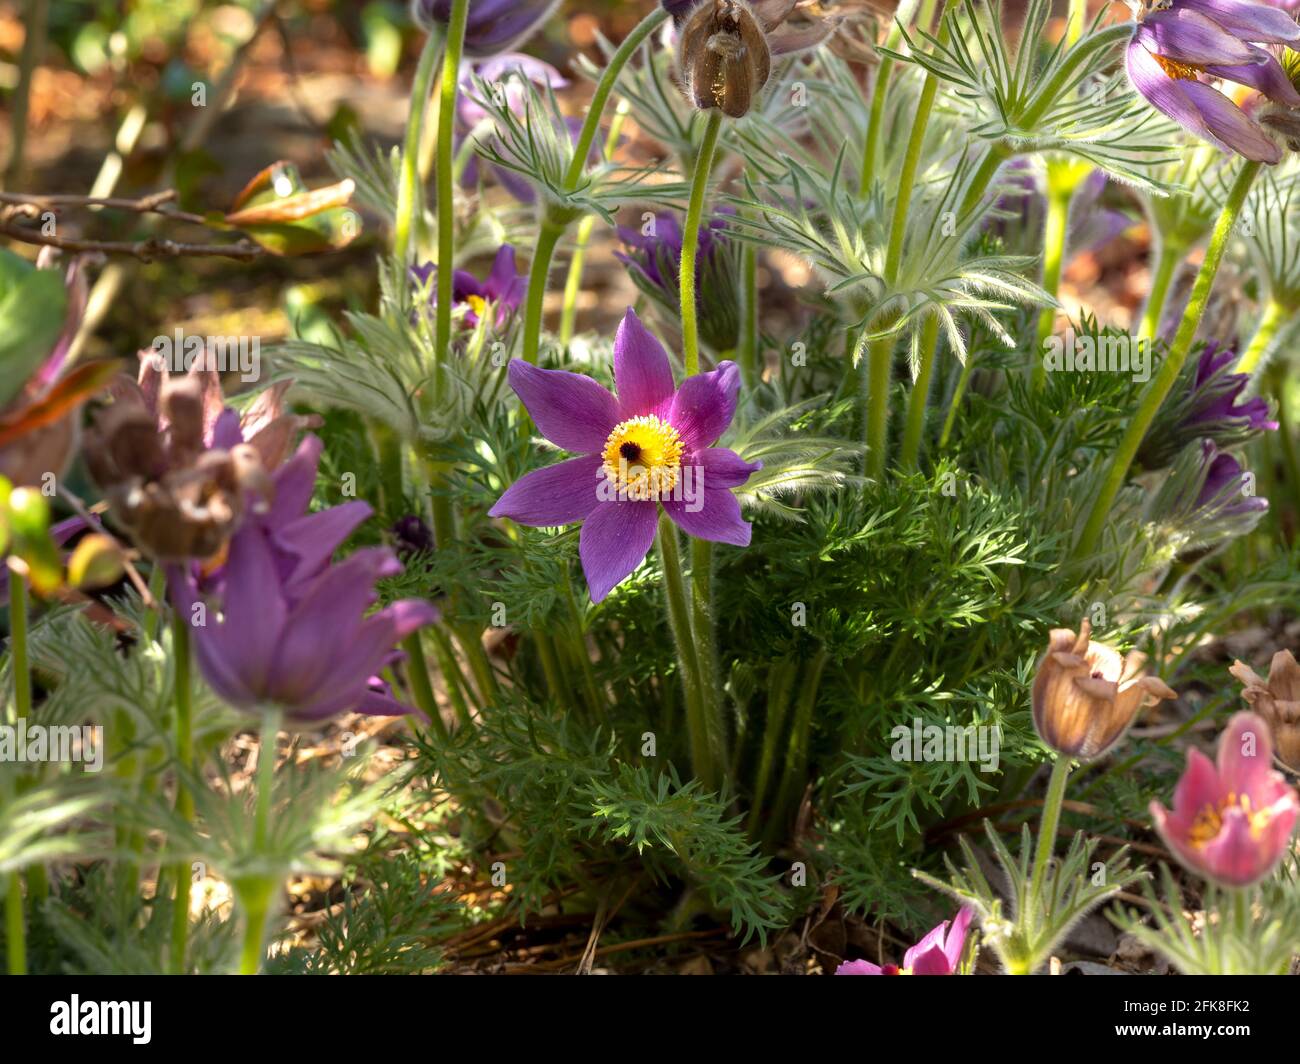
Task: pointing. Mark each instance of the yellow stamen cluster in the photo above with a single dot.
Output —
(1176, 70)
(477, 304)
(1209, 821)
(643, 457)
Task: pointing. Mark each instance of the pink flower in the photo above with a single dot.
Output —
(938, 953)
(1231, 823)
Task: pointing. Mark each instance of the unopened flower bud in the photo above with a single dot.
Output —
(724, 56)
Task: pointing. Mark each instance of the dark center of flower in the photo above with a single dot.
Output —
(631, 451)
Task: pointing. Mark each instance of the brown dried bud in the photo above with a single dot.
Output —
(724, 56)
(1086, 695)
(1277, 700)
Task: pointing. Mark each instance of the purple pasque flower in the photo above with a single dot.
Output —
(492, 26)
(654, 261)
(287, 627)
(647, 447)
(1223, 491)
(499, 293)
(939, 953)
(1174, 47)
(1210, 408)
(1215, 394)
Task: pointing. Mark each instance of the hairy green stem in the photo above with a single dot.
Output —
(751, 372)
(691, 242)
(796, 758)
(1058, 216)
(548, 236)
(1168, 257)
(779, 689)
(256, 892)
(573, 283)
(417, 678)
(679, 619)
(448, 87)
(184, 799)
(1275, 318)
(910, 451)
(1049, 823)
(547, 240)
(408, 183)
(15, 919)
(1172, 365)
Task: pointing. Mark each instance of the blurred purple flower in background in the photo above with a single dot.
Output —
(1209, 407)
(493, 26)
(508, 75)
(654, 263)
(499, 293)
(285, 626)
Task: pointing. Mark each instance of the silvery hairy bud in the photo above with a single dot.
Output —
(724, 56)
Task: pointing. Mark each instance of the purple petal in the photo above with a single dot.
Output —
(313, 538)
(643, 376)
(1189, 37)
(253, 611)
(570, 410)
(345, 683)
(1266, 76)
(557, 495)
(322, 629)
(1250, 22)
(722, 468)
(705, 404)
(713, 515)
(294, 483)
(504, 284)
(1198, 108)
(614, 541)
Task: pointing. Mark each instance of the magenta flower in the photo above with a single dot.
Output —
(649, 447)
(939, 953)
(1172, 48)
(288, 628)
(502, 289)
(1231, 823)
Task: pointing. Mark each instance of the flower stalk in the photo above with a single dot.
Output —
(1275, 317)
(183, 700)
(547, 241)
(679, 618)
(1172, 365)
(691, 242)
(15, 920)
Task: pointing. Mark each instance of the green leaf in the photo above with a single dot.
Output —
(33, 309)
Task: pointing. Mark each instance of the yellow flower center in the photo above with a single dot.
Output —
(643, 457)
(1209, 821)
(1176, 70)
(477, 304)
